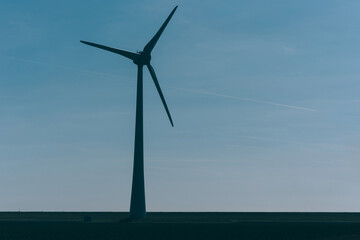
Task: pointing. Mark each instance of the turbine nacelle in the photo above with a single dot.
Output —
(143, 58)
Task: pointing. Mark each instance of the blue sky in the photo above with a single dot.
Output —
(264, 96)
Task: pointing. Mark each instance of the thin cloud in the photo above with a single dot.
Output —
(245, 99)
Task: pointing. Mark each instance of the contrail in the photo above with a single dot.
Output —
(182, 89)
(245, 99)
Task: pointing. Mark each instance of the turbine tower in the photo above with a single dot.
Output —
(137, 203)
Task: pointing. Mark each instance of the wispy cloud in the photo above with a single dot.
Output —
(245, 99)
(100, 114)
(288, 50)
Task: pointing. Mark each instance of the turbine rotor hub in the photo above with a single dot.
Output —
(143, 58)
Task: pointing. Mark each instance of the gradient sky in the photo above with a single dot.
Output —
(264, 96)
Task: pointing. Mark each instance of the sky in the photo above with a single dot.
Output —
(264, 96)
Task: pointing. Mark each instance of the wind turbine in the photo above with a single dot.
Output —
(137, 203)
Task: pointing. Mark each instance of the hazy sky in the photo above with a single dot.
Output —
(264, 96)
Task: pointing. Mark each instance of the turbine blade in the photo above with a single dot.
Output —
(124, 53)
(149, 47)
(152, 73)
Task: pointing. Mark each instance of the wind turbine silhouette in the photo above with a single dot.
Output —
(137, 203)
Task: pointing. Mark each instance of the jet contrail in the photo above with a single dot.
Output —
(182, 89)
(245, 99)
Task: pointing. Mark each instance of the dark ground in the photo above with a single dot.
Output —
(115, 225)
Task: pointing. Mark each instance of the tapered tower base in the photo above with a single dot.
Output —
(137, 203)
